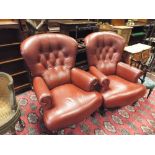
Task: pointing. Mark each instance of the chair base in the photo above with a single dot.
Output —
(10, 125)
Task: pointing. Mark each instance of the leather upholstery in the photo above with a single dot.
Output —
(42, 92)
(83, 80)
(128, 72)
(103, 79)
(118, 81)
(105, 51)
(122, 92)
(52, 55)
(56, 76)
(70, 105)
(63, 91)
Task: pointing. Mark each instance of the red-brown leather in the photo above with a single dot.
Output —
(122, 92)
(56, 76)
(42, 92)
(128, 72)
(70, 105)
(103, 79)
(83, 80)
(50, 58)
(104, 51)
(53, 57)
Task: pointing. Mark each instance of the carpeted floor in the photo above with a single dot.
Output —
(137, 119)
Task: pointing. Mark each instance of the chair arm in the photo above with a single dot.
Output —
(83, 80)
(128, 72)
(42, 92)
(103, 79)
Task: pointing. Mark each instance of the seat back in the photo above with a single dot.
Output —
(104, 50)
(50, 56)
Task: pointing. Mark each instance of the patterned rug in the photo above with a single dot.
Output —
(129, 120)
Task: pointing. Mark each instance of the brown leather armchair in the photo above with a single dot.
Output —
(64, 91)
(118, 81)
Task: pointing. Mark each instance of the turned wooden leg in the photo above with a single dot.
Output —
(102, 110)
(13, 131)
(93, 114)
(20, 123)
(133, 104)
(149, 93)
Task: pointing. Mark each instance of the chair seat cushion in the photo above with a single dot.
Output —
(70, 105)
(122, 92)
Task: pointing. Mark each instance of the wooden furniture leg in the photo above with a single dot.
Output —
(21, 123)
(149, 93)
(13, 131)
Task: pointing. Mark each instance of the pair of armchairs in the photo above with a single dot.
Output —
(68, 94)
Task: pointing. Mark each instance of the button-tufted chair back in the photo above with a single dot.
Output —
(104, 50)
(50, 56)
